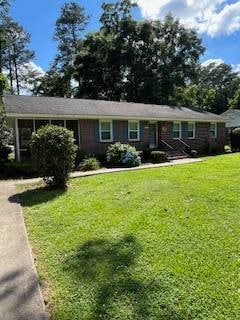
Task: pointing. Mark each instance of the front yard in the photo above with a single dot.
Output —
(150, 244)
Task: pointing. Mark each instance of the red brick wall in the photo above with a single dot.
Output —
(89, 136)
(202, 136)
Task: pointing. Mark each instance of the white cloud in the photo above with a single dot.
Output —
(209, 61)
(214, 17)
(29, 71)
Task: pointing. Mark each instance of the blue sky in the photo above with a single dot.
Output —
(217, 21)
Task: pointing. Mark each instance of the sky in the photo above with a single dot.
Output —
(217, 22)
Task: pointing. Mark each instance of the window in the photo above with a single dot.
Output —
(133, 130)
(106, 131)
(176, 130)
(213, 130)
(59, 123)
(25, 128)
(40, 123)
(191, 130)
(72, 125)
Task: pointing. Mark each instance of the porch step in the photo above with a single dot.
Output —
(172, 155)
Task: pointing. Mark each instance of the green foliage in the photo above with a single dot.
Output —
(235, 139)
(68, 29)
(3, 86)
(234, 103)
(53, 154)
(5, 136)
(90, 164)
(119, 154)
(10, 170)
(52, 84)
(158, 156)
(135, 60)
(16, 51)
(80, 156)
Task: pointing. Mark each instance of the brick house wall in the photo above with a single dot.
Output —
(202, 141)
(90, 140)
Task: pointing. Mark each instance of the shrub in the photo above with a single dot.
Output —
(80, 156)
(158, 156)
(235, 139)
(119, 154)
(193, 153)
(53, 154)
(90, 164)
(17, 170)
(4, 152)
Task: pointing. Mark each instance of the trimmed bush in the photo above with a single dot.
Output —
(17, 170)
(119, 154)
(158, 156)
(53, 154)
(4, 152)
(235, 139)
(90, 164)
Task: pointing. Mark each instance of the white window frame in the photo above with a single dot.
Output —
(194, 130)
(100, 130)
(138, 130)
(215, 131)
(180, 130)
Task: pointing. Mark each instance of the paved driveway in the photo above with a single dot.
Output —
(20, 295)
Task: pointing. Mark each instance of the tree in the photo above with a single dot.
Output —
(16, 52)
(4, 8)
(52, 84)
(53, 153)
(223, 80)
(234, 103)
(136, 61)
(68, 29)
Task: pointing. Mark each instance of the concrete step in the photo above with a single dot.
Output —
(176, 154)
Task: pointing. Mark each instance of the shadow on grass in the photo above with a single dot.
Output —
(110, 269)
(36, 196)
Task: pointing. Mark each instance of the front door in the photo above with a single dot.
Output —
(152, 135)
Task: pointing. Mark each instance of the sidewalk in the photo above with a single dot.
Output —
(20, 295)
(78, 174)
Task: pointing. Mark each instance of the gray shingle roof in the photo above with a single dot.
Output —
(232, 117)
(27, 106)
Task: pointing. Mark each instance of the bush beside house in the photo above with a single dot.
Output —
(123, 155)
(158, 156)
(53, 154)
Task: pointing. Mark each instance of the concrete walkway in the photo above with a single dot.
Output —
(78, 174)
(20, 295)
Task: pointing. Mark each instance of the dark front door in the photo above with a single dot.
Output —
(152, 135)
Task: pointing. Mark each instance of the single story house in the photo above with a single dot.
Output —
(232, 118)
(96, 124)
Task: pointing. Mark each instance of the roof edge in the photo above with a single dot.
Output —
(78, 116)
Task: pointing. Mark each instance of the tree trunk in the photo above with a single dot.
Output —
(10, 70)
(16, 71)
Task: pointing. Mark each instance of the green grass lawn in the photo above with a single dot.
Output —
(151, 244)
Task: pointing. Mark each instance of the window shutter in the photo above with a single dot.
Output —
(115, 131)
(171, 130)
(184, 130)
(142, 125)
(126, 130)
(96, 126)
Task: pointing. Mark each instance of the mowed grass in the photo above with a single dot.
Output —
(150, 244)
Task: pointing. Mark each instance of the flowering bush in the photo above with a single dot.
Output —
(119, 154)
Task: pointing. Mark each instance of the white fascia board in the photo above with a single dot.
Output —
(65, 116)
